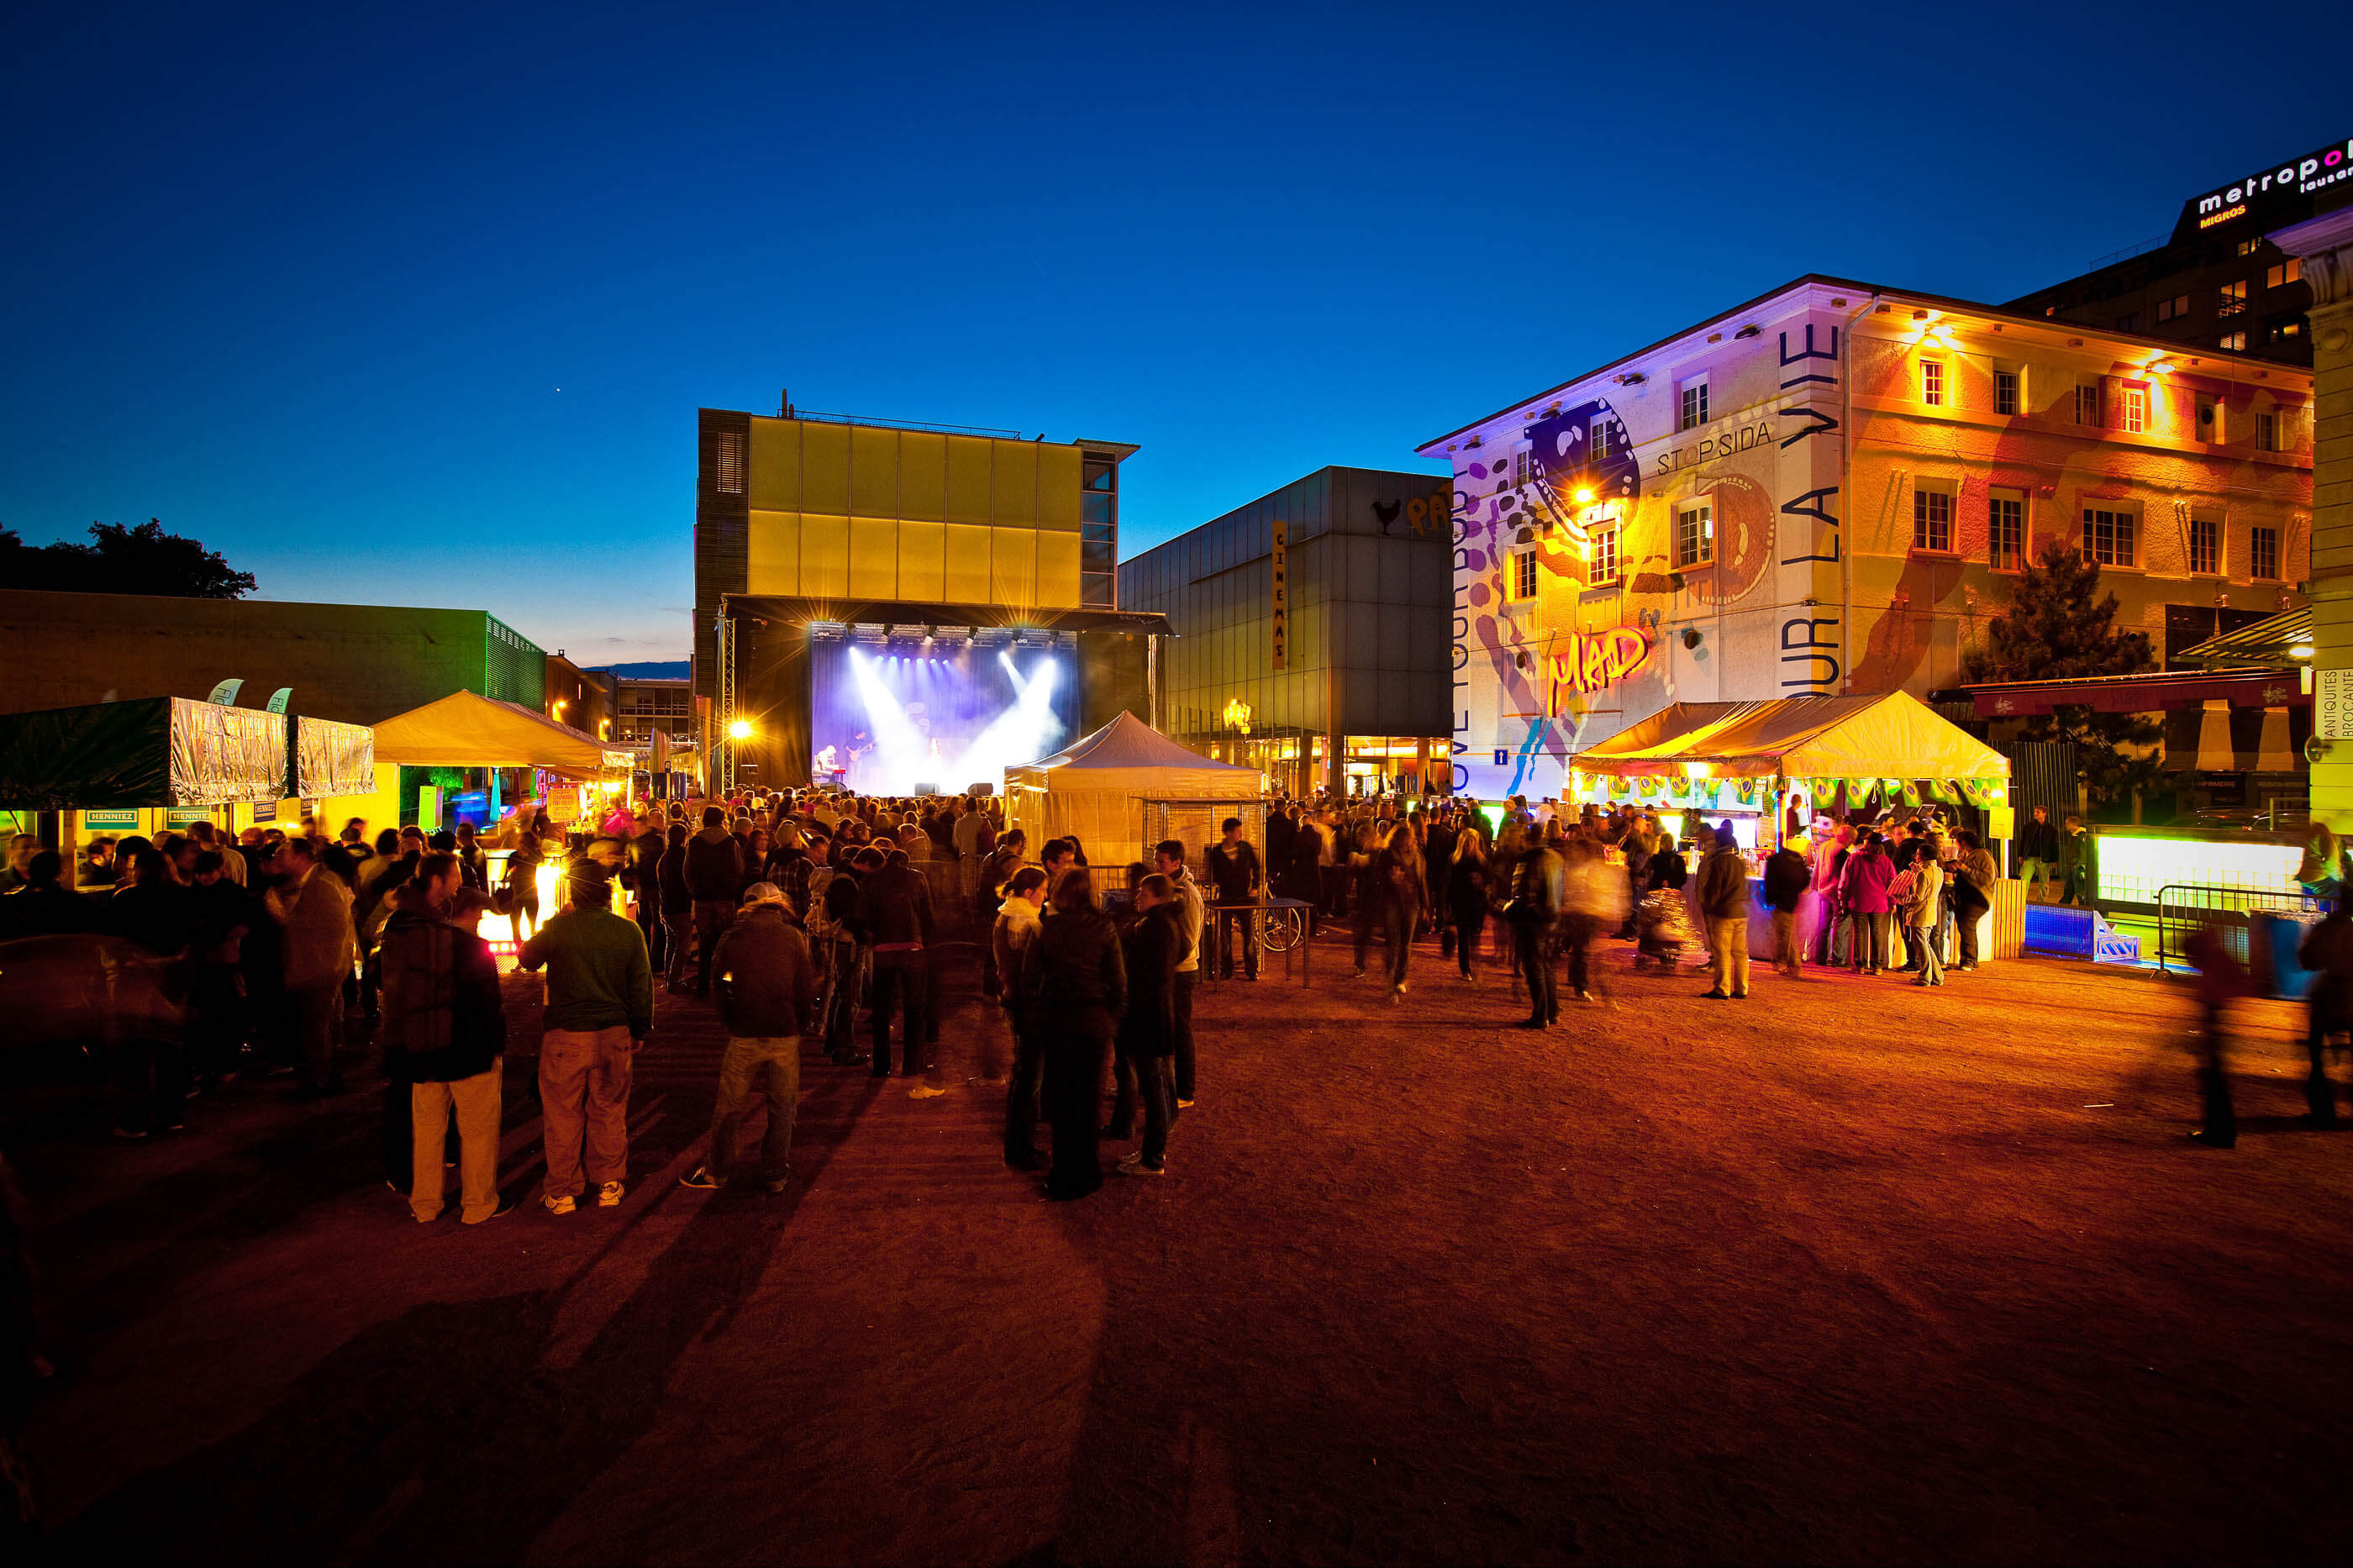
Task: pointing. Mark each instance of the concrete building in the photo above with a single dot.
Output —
(583, 699)
(1310, 630)
(357, 663)
(2220, 280)
(1828, 490)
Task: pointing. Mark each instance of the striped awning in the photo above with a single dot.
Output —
(2264, 642)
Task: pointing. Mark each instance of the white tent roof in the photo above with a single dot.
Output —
(1131, 756)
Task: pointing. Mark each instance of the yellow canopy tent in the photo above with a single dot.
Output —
(1892, 736)
(465, 731)
(1096, 787)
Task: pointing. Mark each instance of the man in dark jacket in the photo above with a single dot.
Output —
(896, 911)
(1787, 877)
(1075, 991)
(767, 986)
(1146, 1047)
(444, 1030)
(2038, 852)
(1539, 888)
(1723, 905)
(715, 879)
(1240, 880)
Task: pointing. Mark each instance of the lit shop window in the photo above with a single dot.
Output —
(1695, 406)
(2005, 532)
(2111, 536)
(2005, 392)
(1695, 535)
(2263, 555)
(2206, 545)
(2136, 409)
(1932, 519)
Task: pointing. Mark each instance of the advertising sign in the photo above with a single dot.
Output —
(187, 815)
(1280, 612)
(2332, 704)
(118, 818)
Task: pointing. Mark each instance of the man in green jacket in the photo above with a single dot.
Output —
(600, 1008)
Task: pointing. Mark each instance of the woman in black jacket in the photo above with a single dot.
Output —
(1151, 947)
(1466, 901)
(1076, 987)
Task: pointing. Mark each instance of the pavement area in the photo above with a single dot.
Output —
(1849, 1272)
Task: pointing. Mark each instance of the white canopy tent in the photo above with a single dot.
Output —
(1096, 787)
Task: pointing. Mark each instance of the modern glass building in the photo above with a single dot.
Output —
(1311, 636)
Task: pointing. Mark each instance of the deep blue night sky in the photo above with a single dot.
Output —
(417, 308)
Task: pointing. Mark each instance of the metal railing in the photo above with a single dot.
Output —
(2197, 907)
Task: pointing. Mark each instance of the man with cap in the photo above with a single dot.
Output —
(600, 1008)
(766, 986)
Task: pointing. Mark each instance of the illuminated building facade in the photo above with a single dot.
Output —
(862, 577)
(2218, 282)
(1310, 631)
(1828, 490)
(580, 698)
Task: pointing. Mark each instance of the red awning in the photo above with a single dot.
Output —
(2141, 693)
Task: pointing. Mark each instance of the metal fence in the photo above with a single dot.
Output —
(2185, 909)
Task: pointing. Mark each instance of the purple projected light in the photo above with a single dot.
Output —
(898, 717)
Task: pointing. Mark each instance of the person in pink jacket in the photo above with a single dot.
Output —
(1863, 892)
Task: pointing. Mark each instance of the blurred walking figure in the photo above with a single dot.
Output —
(600, 1008)
(1398, 876)
(1724, 904)
(1074, 987)
(1168, 860)
(314, 909)
(2221, 980)
(764, 989)
(1595, 903)
(1533, 914)
(1663, 924)
(2327, 951)
(1467, 900)
(677, 905)
(1011, 939)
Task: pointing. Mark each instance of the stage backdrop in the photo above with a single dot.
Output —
(907, 717)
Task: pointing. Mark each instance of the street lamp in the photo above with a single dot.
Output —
(739, 728)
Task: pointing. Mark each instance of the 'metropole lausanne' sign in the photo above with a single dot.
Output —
(2278, 194)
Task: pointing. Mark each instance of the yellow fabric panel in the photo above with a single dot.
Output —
(1013, 565)
(825, 557)
(1015, 487)
(774, 481)
(773, 552)
(1057, 487)
(874, 558)
(969, 478)
(825, 468)
(922, 473)
(873, 472)
(965, 580)
(1057, 571)
(922, 560)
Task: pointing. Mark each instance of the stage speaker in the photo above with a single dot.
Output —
(980, 791)
(923, 789)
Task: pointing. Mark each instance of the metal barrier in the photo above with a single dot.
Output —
(2218, 906)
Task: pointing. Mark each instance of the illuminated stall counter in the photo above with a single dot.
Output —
(2137, 863)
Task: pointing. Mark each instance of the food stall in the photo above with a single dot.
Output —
(573, 773)
(142, 765)
(1772, 767)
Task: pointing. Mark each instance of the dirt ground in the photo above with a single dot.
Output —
(1849, 1272)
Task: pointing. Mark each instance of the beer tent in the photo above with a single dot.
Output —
(1098, 788)
(467, 731)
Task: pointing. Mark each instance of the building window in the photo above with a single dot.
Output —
(1524, 574)
(2237, 341)
(2005, 392)
(1932, 382)
(1608, 438)
(2286, 272)
(1695, 535)
(2136, 409)
(727, 462)
(2249, 246)
(2263, 555)
(2128, 324)
(2173, 310)
(2087, 403)
(2286, 327)
(1099, 475)
(1695, 411)
(2005, 532)
(2231, 299)
(1519, 469)
(1931, 520)
(2205, 545)
(2109, 535)
(2267, 432)
(1604, 557)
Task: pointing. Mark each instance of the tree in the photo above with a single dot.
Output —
(2061, 628)
(118, 560)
